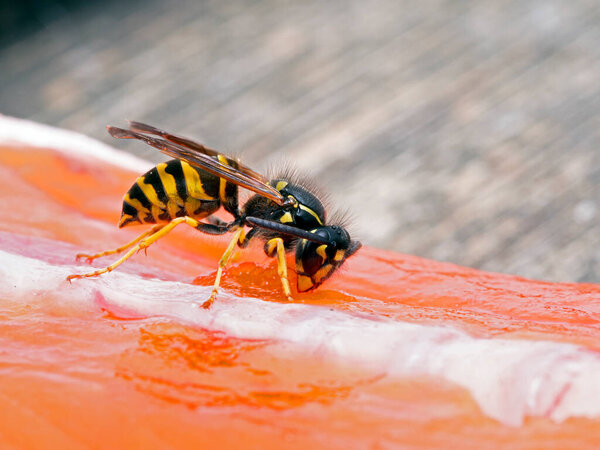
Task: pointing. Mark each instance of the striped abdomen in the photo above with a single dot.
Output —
(176, 189)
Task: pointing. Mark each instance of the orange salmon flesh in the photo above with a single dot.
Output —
(395, 350)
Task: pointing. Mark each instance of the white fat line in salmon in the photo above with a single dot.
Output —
(509, 379)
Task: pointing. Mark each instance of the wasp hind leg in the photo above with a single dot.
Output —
(144, 241)
(90, 258)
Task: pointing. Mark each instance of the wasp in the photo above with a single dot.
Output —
(199, 181)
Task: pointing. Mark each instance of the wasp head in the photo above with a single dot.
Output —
(317, 261)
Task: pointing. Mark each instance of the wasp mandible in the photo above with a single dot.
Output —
(194, 185)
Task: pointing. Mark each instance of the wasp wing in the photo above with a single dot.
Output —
(199, 156)
(192, 145)
(185, 142)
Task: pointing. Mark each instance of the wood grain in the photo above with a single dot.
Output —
(461, 131)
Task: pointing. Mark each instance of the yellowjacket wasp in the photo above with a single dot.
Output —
(284, 214)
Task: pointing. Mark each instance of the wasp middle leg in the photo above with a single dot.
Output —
(238, 238)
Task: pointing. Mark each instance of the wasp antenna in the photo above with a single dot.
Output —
(286, 229)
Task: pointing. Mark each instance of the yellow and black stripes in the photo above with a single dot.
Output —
(176, 189)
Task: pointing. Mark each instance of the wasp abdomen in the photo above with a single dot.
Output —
(170, 190)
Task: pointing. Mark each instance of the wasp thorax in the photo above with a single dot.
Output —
(317, 261)
(303, 210)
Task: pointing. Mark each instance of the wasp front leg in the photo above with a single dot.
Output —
(276, 246)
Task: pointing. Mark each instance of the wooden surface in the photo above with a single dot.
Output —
(461, 131)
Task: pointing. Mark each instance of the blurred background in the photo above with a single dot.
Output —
(461, 131)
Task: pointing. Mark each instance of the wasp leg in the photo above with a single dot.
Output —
(216, 221)
(276, 245)
(282, 269)
(246, 241)
(217, 229)
(238, 238)
(90, 258)
(144, 243)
